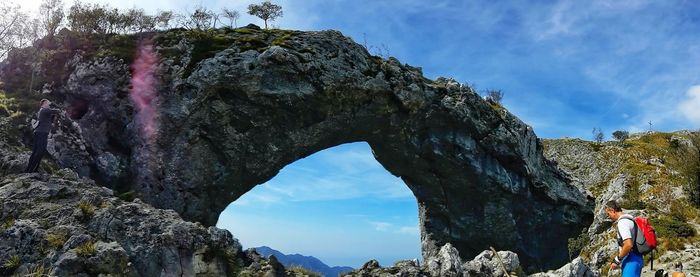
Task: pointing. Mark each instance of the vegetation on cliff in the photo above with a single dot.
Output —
(659, 173)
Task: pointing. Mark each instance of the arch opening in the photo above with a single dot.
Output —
(339, 205)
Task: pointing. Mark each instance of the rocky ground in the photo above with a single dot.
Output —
(72, 227)
(447, 263)
(55, 223)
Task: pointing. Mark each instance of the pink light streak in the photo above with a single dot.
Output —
(143, 92)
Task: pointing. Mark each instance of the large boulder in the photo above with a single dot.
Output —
(488, 264)
(446, 263)
(576, 268)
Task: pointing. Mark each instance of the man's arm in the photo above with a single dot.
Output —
(55, 111)
(626, 248)
(55, 114)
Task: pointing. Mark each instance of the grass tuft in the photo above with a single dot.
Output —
(57, 239)
(86, 249)
(87, 209)
(12, 263)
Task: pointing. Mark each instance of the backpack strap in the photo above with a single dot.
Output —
(634, 234)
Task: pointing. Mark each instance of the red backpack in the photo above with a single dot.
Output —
(646, 243)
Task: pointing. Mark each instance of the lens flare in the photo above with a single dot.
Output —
(143, 88)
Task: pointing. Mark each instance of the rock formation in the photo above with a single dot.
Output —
(651, 174)
(448, 263)
(71, 227)
(238, 105)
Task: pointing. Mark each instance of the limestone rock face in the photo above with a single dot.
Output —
(488, 264)
(580, 160)
(230, 119)
(71, 226)
(477, 171)
(648, 174)
(577, 268)
(446, 263)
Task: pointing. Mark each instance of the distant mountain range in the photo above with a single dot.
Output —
(308, 262)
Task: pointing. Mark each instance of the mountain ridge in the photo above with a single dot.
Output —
(308, 262)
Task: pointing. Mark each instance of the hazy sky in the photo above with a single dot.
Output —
(564, 67)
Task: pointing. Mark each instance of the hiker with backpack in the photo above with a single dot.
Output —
(45, 118)
(635, 236)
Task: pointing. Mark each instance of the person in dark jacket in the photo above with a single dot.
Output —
(41, 134)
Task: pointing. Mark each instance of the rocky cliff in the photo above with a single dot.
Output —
(653, 174)
(234, 106)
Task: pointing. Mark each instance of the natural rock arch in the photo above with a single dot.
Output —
(367, 214)
(477, 171)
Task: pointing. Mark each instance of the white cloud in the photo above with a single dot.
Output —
(690, 106)
(257, 198)
(381, 226)
(389, 227)
(347, 171)
(410, 230)
(560, 21)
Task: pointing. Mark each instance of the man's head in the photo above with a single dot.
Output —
(613, 210)
(44, 103)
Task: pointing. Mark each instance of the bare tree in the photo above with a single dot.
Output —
(494, 95)
(103, 19)
(51, 15)
(266, 11)
(215, 18)
(598, 135)
(146, 23)
(232, 16)
(30, 31)
(163, 19)
(133, 19)
(13, 26)
(87, 18)
(200, 19)
(138, 21)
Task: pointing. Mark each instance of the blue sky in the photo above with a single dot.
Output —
(339, 205)
(564, 67)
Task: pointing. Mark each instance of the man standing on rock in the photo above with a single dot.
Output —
(627, 258)
(41, 134)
